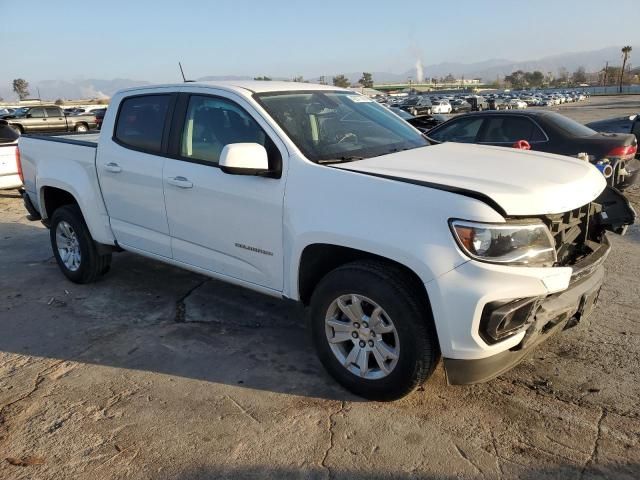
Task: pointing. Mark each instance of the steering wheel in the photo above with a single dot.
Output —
(349, 137)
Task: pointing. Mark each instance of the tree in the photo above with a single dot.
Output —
(625, 55)
(341, 81)
(449, 79)
(366, 80)
(59, 102)
(21, 87)
(299, 79)
(516, 79)
(265, 78)
(579, 76)
(534, 79)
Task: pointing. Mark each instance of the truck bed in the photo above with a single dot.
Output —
(84, 139)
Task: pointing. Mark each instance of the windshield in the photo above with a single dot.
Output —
(339, 126)
(570, 126)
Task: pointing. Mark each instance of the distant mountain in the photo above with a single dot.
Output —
(592, 61)
(85, 89)
(487, 70)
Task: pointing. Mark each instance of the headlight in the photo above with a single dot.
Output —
(527, 244)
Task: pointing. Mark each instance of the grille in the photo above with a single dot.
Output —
(570, 231)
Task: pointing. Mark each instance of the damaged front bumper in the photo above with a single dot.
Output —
(544, 317)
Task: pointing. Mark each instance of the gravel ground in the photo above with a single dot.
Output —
(158, 373)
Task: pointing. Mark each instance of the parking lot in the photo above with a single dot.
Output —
(155, 372)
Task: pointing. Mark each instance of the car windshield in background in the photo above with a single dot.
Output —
(339, 126)
(570, 126)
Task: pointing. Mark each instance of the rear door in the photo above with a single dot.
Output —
(129, 166)
(56, 121)
(35, 121)
(505, 130)
(228, 224)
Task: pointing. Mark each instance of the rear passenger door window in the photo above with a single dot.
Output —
(510, 129)
(141, 122)
(464, 130)
(36, 113)
(211, 123)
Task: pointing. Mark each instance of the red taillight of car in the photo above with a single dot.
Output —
(19, 164)
(625, 152)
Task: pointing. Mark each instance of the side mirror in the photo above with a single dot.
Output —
(244, 159)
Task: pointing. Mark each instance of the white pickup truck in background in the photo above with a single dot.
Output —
(9, 175)
(402, 251)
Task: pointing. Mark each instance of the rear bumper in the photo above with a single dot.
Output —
(10, 182)
(28, 205)
(554, 313)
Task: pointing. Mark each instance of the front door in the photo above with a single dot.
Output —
(36, 120)
(228, 224)
(130, 171)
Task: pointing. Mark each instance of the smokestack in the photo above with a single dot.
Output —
(419, 71)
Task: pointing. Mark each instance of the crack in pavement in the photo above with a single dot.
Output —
(181, 307)
(596, 444)
(332, 423)
(465, 457)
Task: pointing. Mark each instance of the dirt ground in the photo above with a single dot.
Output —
(158, 373)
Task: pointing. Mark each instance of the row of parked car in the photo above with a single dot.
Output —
(424, 104)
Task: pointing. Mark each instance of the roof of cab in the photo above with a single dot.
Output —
(253, 86)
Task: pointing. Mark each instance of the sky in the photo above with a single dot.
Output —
(144, 39)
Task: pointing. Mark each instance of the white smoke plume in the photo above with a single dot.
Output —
(419, 71)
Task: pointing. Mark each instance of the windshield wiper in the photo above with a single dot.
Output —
(342, 159)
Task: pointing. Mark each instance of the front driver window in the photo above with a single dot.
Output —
(212, 123)
(461, 131)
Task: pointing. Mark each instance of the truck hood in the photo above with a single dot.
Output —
(520, 182)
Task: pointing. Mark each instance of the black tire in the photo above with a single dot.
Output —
(82, 127)
(429, 111)
(19, 130)
(394, 291)
(92, 265)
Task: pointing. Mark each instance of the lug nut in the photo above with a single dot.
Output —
(371, 343)
(362, 344)
(354, 334)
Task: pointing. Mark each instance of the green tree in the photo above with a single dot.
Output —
(366, 80)
(265, 78)
(516, 79)
(534, 79)
(21, 87)
(579, 76)
(59, 102)
(299, 79)
(625, 55)
(341, 81)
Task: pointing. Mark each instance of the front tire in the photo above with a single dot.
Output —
(373, 330)
(74, 249)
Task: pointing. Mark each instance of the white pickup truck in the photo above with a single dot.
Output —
(401, 251)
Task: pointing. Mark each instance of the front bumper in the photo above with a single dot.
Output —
(562, 310)
(548, 299)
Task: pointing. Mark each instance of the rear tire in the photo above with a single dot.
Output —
(403, 327)
(74, 249)
(19, 130)
(81, 128)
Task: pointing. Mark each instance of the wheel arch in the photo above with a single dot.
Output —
(318, 259)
